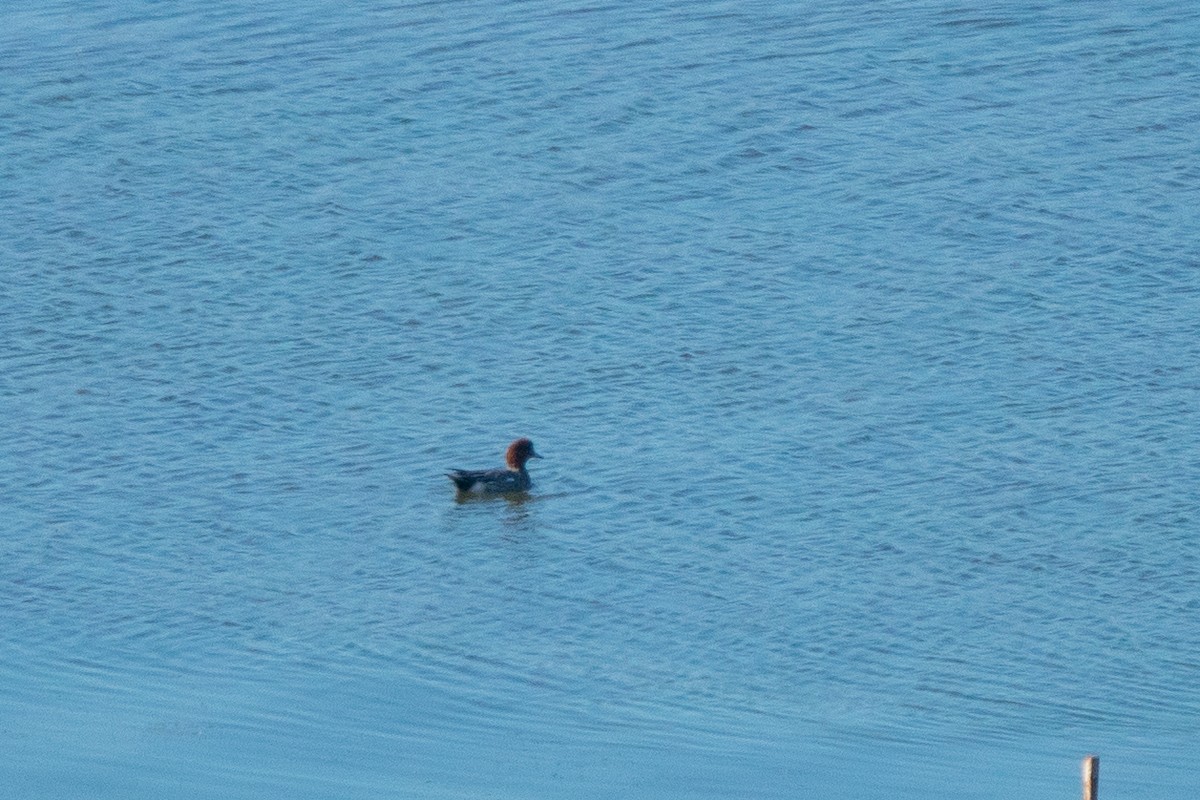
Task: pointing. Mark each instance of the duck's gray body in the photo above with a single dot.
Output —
(490, 480)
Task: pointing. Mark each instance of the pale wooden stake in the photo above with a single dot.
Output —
(1091, 777)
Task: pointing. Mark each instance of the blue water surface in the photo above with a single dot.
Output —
(860, 340)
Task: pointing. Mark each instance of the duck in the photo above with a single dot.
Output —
(515, 478)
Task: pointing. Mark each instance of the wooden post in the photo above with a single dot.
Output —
(1091, 777)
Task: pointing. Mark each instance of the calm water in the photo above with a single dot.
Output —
(861, 341)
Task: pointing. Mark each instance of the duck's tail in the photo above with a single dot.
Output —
(461, 479)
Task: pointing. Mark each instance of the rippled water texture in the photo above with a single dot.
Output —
(860, 340)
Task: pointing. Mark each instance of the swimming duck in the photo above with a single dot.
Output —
(513, 479)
